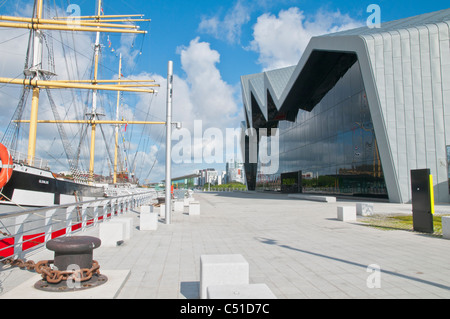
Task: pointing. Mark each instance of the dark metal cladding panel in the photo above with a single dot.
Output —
(421, 201)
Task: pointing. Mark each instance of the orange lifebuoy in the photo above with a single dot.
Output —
(6, 167)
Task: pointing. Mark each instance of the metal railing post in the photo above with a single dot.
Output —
(18, 235)
(69, 223)
(112, 207)
(96, 212)
(48, 226)
(120, 206)
(84, 216)
(105, 210)
(132, 202)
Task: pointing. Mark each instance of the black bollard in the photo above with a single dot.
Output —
(76, 250)
(72, 253)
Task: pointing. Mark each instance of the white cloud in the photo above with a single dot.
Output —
(128, 49)
(210, 26)
(228, 28)
(280, 40)
(211, 103)
(212, 98)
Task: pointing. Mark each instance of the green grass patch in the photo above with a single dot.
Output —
(225, 187)
(401, 223)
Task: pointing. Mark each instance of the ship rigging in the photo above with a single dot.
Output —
(37, 78)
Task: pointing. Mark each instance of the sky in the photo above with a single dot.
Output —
(211, 44)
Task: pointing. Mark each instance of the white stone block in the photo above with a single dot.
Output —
(111, 233)
(222, 270)
(194, 208)
(446, 227)
(109, 290)
(188, 200)
(346, 213)
(148, 221)
(147, 209)
(364, 209)
(162, 210)
(178, 206)
(130, 223)
(316, 198)
(127, 223)
(251, 291)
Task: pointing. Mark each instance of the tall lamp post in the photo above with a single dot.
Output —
(169, 141)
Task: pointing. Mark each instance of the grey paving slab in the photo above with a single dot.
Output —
(297, 248)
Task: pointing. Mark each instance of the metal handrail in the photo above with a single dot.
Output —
(41, 209)
(22, 158)
(32, 228)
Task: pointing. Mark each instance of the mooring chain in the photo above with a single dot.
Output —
(30, 265)
(54, 276)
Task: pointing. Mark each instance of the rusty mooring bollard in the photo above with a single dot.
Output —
(74, 267)
(73, 251)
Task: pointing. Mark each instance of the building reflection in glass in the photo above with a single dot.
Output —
(334, 145)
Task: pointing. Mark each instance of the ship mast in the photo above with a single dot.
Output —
(98, 23)
(94, 97)
(35, 69)
(116, 148)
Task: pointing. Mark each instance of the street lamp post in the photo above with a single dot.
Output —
(169, 141)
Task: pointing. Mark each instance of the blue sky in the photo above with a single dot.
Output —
(176, 23)
(212, 44)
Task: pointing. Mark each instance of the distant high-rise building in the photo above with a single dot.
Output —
(235, 172)
(208, 176)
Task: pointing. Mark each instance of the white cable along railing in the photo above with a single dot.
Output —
(25, 231)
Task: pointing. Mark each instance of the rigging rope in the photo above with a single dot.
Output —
(10, 137)
(66, 145)
(154, 162)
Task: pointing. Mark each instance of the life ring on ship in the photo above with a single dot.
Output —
(6, 167)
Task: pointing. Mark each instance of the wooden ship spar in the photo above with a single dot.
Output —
(22, 181)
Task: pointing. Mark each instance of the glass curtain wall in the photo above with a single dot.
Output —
(334, 145)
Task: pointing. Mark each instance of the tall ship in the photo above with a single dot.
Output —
(27, 181)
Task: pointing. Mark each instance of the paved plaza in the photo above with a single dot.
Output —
(297, 248)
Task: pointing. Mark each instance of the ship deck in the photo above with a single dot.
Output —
(298, 248)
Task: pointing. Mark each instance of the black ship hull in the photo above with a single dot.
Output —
(34, 187)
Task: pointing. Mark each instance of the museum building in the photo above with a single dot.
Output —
(360, 110)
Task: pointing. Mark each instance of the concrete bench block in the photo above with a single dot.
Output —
(130, 223)
(178, 206)
(194, 208)
(346, 213)
(148, 221)
(222, 270)
(315, 198)
(127, 223)
(364, 209)
(446, 227)
(188, 200)
(111, 233)
(251, 291)
(162, 210)
(147, 209)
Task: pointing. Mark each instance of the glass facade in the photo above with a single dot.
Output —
(334, 145)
